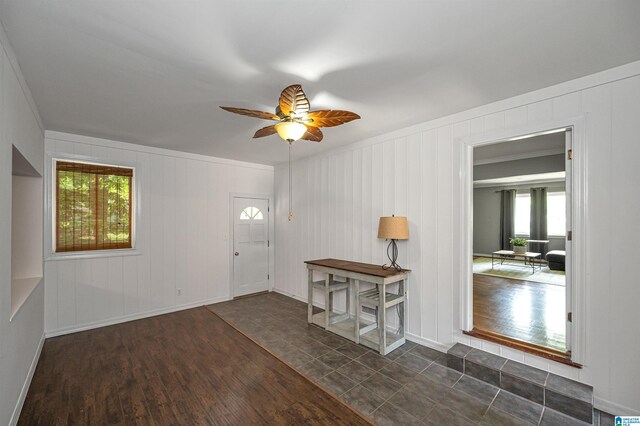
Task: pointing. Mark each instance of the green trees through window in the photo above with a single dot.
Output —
(93, 207)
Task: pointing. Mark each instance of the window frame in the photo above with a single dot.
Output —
(51, 204)
(525, 193)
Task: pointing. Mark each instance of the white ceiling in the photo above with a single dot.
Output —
(154, 72)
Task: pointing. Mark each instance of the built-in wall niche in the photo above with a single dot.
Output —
(26, 230)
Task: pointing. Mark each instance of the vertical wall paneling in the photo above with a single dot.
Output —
(348, 209)
(169, 211)
(413, 182)
(182, 237)
(21, 326)
(597, 103)
(51, 296)
(66, 303)
(358, 197)
(445, 229)
(460, 131)
(378, 248)
(367, 205)
(142, 236)
(428, 310)
(625, 233)
(417, 172)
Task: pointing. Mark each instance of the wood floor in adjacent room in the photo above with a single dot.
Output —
(526, 311)
(188, 367)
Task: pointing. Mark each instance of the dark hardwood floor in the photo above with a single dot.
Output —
(188, 367)
(521, 310)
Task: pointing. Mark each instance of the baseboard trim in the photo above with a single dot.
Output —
(27, 383)
(133, 317)
(428, 342)
(286, 293)
(614, 408)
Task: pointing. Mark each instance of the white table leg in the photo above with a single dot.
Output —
(403, 306)
(310, 297)
(382, 319)
(357, 289)
(348, 302)
(327, 301)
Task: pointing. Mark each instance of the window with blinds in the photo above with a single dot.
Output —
(93, 206)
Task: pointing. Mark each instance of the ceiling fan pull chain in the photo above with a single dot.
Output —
(290, 184)
(296, 121)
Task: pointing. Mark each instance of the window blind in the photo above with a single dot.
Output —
(93, 206)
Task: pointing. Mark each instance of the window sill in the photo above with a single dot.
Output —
(92, 254)
(21, 289)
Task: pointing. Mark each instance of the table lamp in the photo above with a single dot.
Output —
(393, 228)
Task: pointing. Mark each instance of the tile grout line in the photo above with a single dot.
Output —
(299, 328)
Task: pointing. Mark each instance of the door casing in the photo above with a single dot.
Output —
(576, 297)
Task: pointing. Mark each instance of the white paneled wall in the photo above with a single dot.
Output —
(21, 337)
(182, 240)
(339, 196)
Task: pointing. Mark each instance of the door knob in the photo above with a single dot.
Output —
(236, 253)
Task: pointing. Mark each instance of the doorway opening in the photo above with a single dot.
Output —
(521, 243)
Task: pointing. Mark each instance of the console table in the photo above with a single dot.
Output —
(373, 335)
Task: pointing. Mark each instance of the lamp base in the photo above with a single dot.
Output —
(392, 254)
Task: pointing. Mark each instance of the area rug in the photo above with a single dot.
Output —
(517, 271)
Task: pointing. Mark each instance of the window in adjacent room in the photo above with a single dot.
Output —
(556, 216)
(93, 206)
(523, 208)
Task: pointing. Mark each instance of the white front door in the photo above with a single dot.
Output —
(250, 245)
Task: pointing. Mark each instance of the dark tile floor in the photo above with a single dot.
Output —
(412, 385)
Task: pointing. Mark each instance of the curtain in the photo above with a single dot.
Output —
(538, 219)
(507, 217)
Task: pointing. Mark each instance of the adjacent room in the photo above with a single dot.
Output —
(326, 213)
(519, 249)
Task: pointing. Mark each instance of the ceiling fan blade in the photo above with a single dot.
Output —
(265, 131)
(329, 118)
(312, 134)
(293, 100)
(252, 113)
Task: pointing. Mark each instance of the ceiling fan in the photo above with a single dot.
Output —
(296, 121)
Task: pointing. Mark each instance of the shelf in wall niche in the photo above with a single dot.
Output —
(21, 289)
(26, 230)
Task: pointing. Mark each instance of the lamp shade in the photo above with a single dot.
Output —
(393, 228)
(290, 130)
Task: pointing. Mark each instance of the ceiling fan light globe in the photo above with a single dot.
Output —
(290, 130)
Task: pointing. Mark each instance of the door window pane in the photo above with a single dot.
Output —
(251, 213)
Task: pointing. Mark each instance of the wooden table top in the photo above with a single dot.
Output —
(361, 268)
